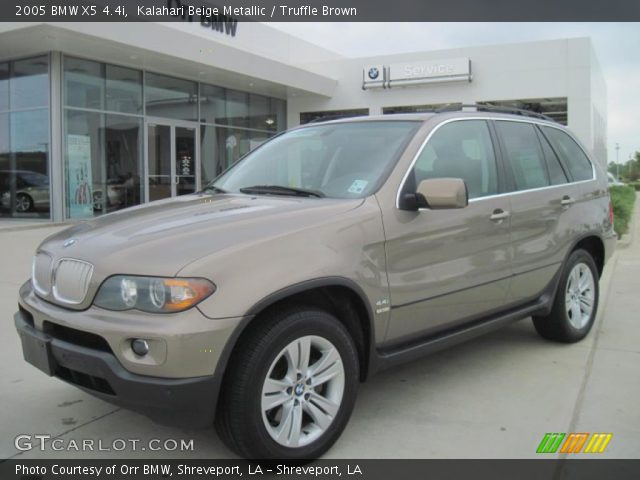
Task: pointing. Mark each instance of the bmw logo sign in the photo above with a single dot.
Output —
(373, 73)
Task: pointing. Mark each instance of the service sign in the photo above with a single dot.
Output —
(416, 73)
(455, 69)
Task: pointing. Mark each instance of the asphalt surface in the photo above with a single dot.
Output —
(493, 397)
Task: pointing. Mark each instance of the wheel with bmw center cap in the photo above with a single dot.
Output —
(290, 386)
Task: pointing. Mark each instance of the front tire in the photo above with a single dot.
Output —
(24, 203)
(576, 303)
(290, 388)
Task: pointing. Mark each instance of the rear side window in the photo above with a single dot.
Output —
(523, 154)
(570, 153)
(556, 172)
(461, 149)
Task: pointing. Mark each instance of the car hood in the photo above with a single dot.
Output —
(162, 237)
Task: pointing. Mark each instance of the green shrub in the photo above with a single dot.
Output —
(635, 185)
(622, 199)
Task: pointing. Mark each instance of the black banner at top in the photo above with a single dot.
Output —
(319, 10)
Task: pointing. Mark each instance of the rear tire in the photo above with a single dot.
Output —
(576, 302)
(290, 386)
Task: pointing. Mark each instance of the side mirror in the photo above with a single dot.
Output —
(439, 194)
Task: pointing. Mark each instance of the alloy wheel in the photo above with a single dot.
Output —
(580, 295)
(302, 392)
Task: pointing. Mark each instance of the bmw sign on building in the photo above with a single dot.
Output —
(373, 76)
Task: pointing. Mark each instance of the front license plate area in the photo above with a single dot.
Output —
(37, 352)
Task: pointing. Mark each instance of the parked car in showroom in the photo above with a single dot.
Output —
(31, 190)
(327, 254)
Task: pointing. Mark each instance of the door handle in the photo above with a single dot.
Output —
(566, 201)
(177, 179)
(498, 215)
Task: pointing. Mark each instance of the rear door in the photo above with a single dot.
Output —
(446, 267)
(541, 199)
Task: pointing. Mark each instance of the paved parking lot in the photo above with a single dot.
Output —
(494, 397)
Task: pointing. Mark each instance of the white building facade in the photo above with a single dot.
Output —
(95, 117)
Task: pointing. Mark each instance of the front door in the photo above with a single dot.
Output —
(172, 159)
(448, 267)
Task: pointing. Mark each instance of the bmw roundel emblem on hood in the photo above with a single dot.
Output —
(373, 73)
(68, 243)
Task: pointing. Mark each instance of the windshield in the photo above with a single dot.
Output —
(342, 160)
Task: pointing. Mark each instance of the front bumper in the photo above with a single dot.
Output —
(185, 402)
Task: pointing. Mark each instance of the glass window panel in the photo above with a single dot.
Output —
(124, 167)
(460, 150)
(571, 154)
(29, 84)
(260, 114)
(7, 167)
(185, 140)
(84, 163)
(524, 154)
(279, 109)
(84, 83)
(237, 113)
(24, 164)
(171, 97)
(124, 89)
(212, 104)
(211, 162)
(556, 172)
(4, 86)
(231, 145)
(159, 154)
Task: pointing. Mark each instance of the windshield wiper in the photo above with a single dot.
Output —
(212, 188)
(280, 190)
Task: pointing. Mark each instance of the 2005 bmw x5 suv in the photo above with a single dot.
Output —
(330, 252)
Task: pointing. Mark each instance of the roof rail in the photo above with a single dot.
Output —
(457, 107)
(334, 117)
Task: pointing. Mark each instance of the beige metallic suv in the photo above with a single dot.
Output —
(330, 252)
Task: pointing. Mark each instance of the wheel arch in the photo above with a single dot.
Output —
(340, 296)
(594, 245)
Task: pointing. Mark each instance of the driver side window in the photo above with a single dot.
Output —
(461, 149)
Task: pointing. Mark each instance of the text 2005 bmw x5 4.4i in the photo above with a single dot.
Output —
(328, 253)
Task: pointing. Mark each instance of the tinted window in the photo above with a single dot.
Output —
(463, 150)
(523, 154)
(556, 172)
(570, 153)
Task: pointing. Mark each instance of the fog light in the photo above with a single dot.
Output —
(140, 347)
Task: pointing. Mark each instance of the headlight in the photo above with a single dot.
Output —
(152, 294)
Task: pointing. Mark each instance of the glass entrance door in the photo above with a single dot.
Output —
(172, 159)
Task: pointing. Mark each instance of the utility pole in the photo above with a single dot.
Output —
(617, 163)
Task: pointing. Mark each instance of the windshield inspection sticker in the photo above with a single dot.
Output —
(357, 186)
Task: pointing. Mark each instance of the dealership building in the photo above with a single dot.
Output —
(96, 117)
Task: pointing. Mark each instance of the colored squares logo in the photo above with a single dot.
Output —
(574, 443)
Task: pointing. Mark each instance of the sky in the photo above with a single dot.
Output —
(617, 47)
